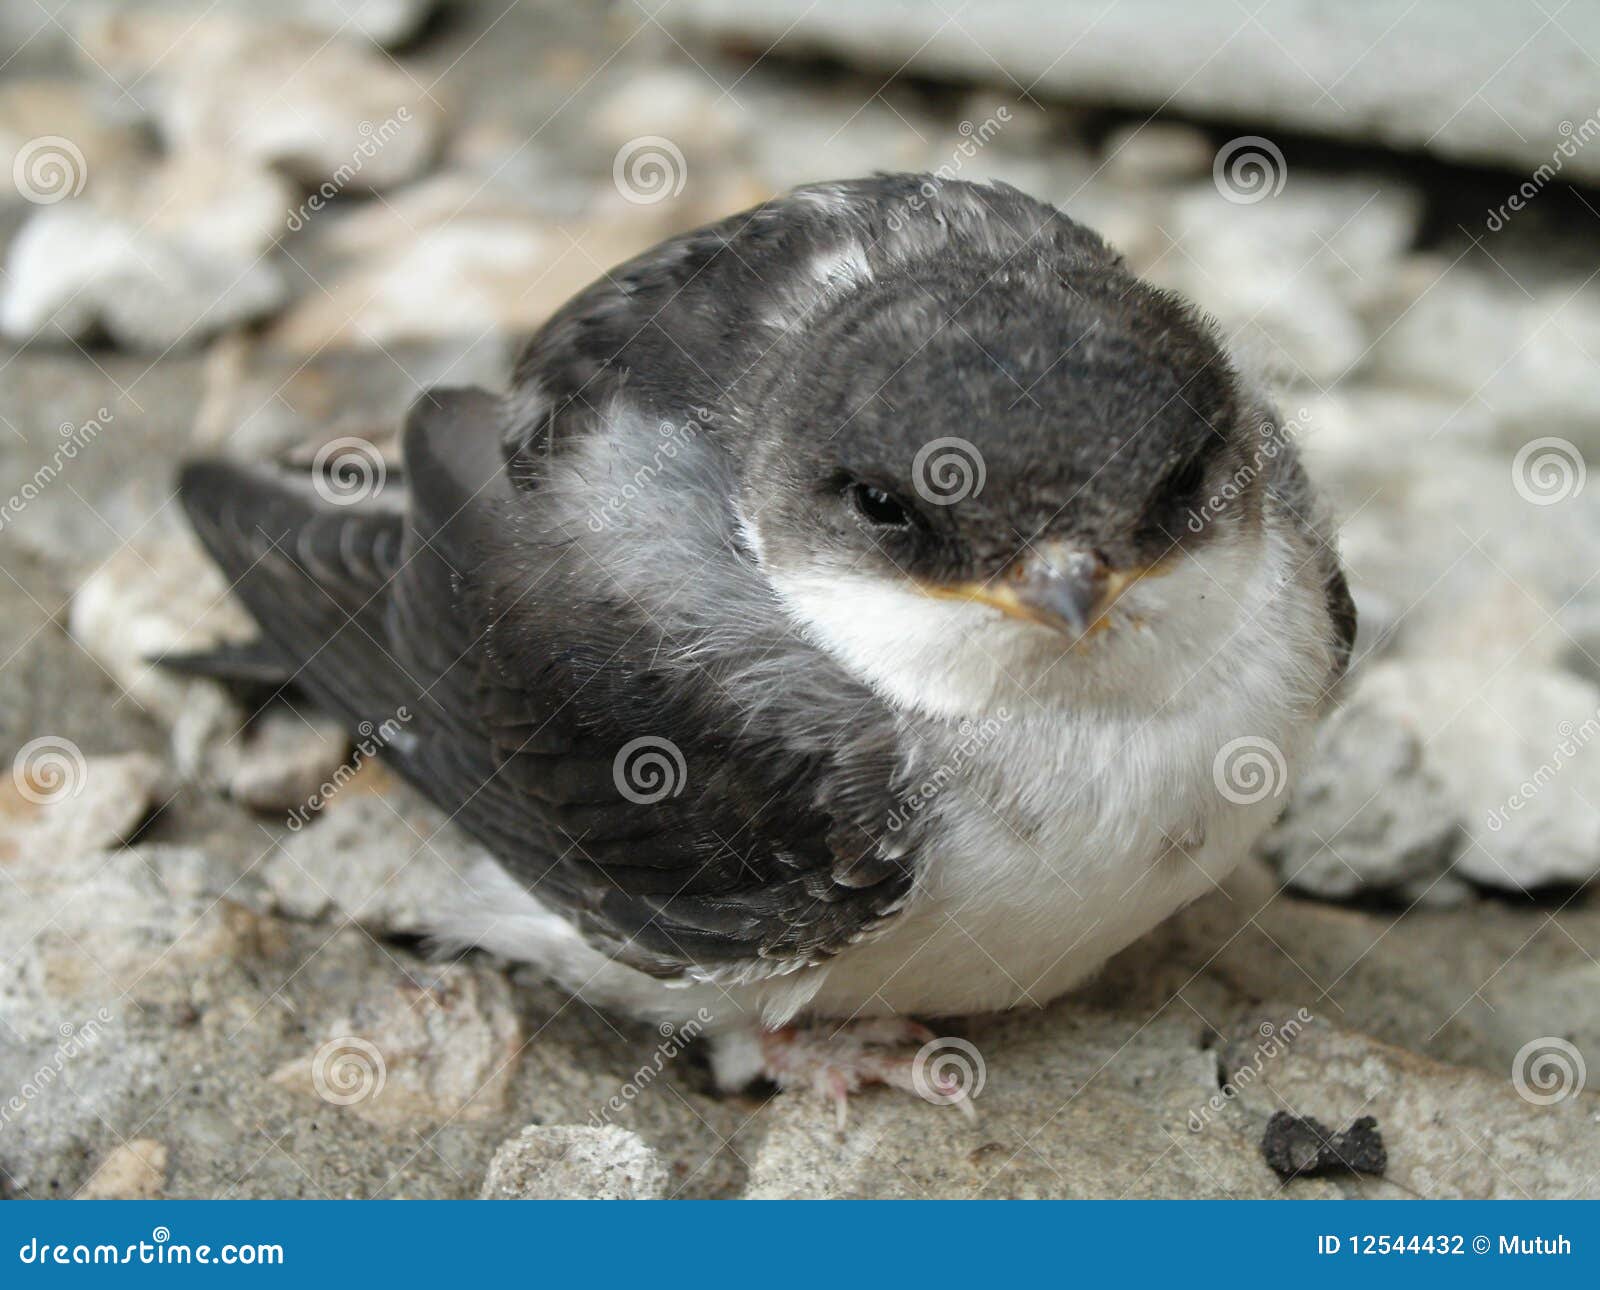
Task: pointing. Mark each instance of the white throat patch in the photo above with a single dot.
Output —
(952, 659)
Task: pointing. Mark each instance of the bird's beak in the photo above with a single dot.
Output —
(1061, 588)
(1055, 585)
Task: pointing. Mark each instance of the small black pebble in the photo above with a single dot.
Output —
(1298, 1146)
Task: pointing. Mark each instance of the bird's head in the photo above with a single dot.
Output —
(1013, 483)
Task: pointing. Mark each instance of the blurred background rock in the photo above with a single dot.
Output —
(255, 229)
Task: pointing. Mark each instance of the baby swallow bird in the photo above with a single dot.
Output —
(850, 615)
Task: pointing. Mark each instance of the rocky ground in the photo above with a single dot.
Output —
(248, 239)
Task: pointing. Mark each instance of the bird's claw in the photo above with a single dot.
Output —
(839, 1059)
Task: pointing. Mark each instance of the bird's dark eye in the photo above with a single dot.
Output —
(878, 507)
(1186, 480)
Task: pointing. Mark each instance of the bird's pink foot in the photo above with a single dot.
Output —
(837, 1059)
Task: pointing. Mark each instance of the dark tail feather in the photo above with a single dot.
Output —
(356, 598)
(314, 574)
(254, 663)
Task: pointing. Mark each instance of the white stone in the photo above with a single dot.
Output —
(1513, 752)
(1368, 816)
(1157, 152)
(57, 802)
(158, 597)
(161, 261)
(1531, 360)
(571, 1162)
(677, 103)
(1482, 84)
(832, 137)
(1429, 532)
(162, 595)
(385, 22)
(283, 757)
(119, 928)
(1284, 274)
(321, 110)
(450, 258)
(418, 1050)
(376, 853)
(134, 1170)
(54, 143)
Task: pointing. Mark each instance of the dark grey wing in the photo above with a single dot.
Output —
(628, 793)
(625, 788)
(314, 575)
